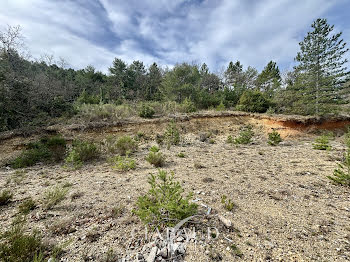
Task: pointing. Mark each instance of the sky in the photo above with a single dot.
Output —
(94, 32)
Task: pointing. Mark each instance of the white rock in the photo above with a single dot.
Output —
(181, 249)
(164, 252)
(285, 143)
(180, 239)
(152, 255)
(175, 246)
(225, 221)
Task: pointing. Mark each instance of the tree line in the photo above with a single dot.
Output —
(34, 91)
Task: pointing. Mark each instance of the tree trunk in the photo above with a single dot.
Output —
(317, 93)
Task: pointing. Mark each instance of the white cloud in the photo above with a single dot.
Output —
(51, 29)
(264, 34)
(167, 32)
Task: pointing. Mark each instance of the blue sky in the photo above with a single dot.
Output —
(93, 32)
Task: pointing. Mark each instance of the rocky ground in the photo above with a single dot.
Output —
(285, 208)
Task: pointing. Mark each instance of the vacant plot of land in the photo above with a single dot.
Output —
(284, 207)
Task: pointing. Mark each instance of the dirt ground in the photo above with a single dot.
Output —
(286, 209)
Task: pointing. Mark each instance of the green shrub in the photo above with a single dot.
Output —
(165, 108)
(109, 112)
(274, 138)
(141, 136)
(181, 155)
(220, 107)
(86, 150)
(18, 246)
(86, 98)
(125, 145)
(236, 251)
(146, 111)
(172, 134)
(188, 106)
(347, 137)
(30, 157)
(5, 197)
(54, 196)
(227, 203)
(271, 111)
(122, 163)
(57, 146)
(44, 150)
(53, 141)
(322, 143)
(38, 257)
(61, 107)
(26, 206)
(229, 139)
(230, 97)
(245, 136)
(73, 160)
(341, 175)
(108, 145)
(253, 101)
(206, 99)
(154, 149)
(164, 204)
(156, 159)
(82, 151)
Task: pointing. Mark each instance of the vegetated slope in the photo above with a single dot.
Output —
(289, 126)
(284, 207)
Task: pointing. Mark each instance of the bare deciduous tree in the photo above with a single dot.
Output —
(11, 38)
(47, 59)
(62, 62)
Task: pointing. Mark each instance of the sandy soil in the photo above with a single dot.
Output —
(286, 208)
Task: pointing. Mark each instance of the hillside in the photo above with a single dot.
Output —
(283, 204)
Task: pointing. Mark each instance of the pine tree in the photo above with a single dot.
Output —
(250, 77)
(235, 77)
(269, 79)
(136, 80)
(234, 74)
(204, 70)
(321, 70)
(118, 69)
(154, 79)
(118, 73)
